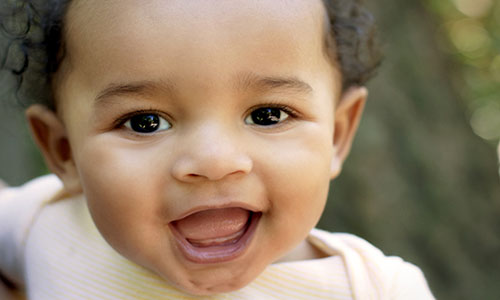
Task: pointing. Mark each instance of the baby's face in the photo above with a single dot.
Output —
(202, 131)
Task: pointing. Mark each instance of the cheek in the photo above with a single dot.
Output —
(121, 188)
(297, 174)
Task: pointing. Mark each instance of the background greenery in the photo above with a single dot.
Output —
(422, 181)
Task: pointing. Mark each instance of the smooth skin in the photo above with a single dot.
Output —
(203, 67)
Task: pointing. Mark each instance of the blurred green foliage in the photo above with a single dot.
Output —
(472, 32)
(422, 180)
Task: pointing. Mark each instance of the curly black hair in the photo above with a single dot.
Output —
(33, 47)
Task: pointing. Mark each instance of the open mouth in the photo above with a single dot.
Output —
(215, 235)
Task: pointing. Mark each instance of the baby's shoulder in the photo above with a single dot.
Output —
(20, 204)
(19, 207)
(34, 191)
(372, 274)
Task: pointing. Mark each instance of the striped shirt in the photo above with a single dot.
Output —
(54, 249)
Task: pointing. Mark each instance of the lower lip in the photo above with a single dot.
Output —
(219, 253)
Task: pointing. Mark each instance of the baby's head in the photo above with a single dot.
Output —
(203, 134)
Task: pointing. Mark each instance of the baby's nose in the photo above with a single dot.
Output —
(211, 153)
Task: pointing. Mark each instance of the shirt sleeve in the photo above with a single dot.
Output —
(371, 274)
(409, 283)
(391, 276)
(18, 209)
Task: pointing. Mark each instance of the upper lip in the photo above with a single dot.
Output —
(200, 208)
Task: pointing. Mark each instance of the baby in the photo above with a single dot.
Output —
(193, 143)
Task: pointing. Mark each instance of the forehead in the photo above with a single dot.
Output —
(102, 35)
(111, 15)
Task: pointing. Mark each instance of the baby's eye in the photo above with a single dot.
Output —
(147, 123)
(266, 116)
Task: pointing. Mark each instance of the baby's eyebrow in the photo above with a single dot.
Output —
(249, 81)
(139, 88)
(244, 82)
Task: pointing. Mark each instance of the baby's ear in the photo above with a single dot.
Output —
(347, 116)
(50, 136)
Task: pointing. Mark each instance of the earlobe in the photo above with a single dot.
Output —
(347, 116)
(50, 136)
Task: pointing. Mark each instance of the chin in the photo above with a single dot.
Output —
(214, 279)
(198, 287)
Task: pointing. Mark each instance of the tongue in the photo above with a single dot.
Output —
(214, 223)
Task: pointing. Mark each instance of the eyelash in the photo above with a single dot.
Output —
(291, 112)
(120, 122)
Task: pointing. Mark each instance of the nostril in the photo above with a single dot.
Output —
(213, 176)
(213, 167)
